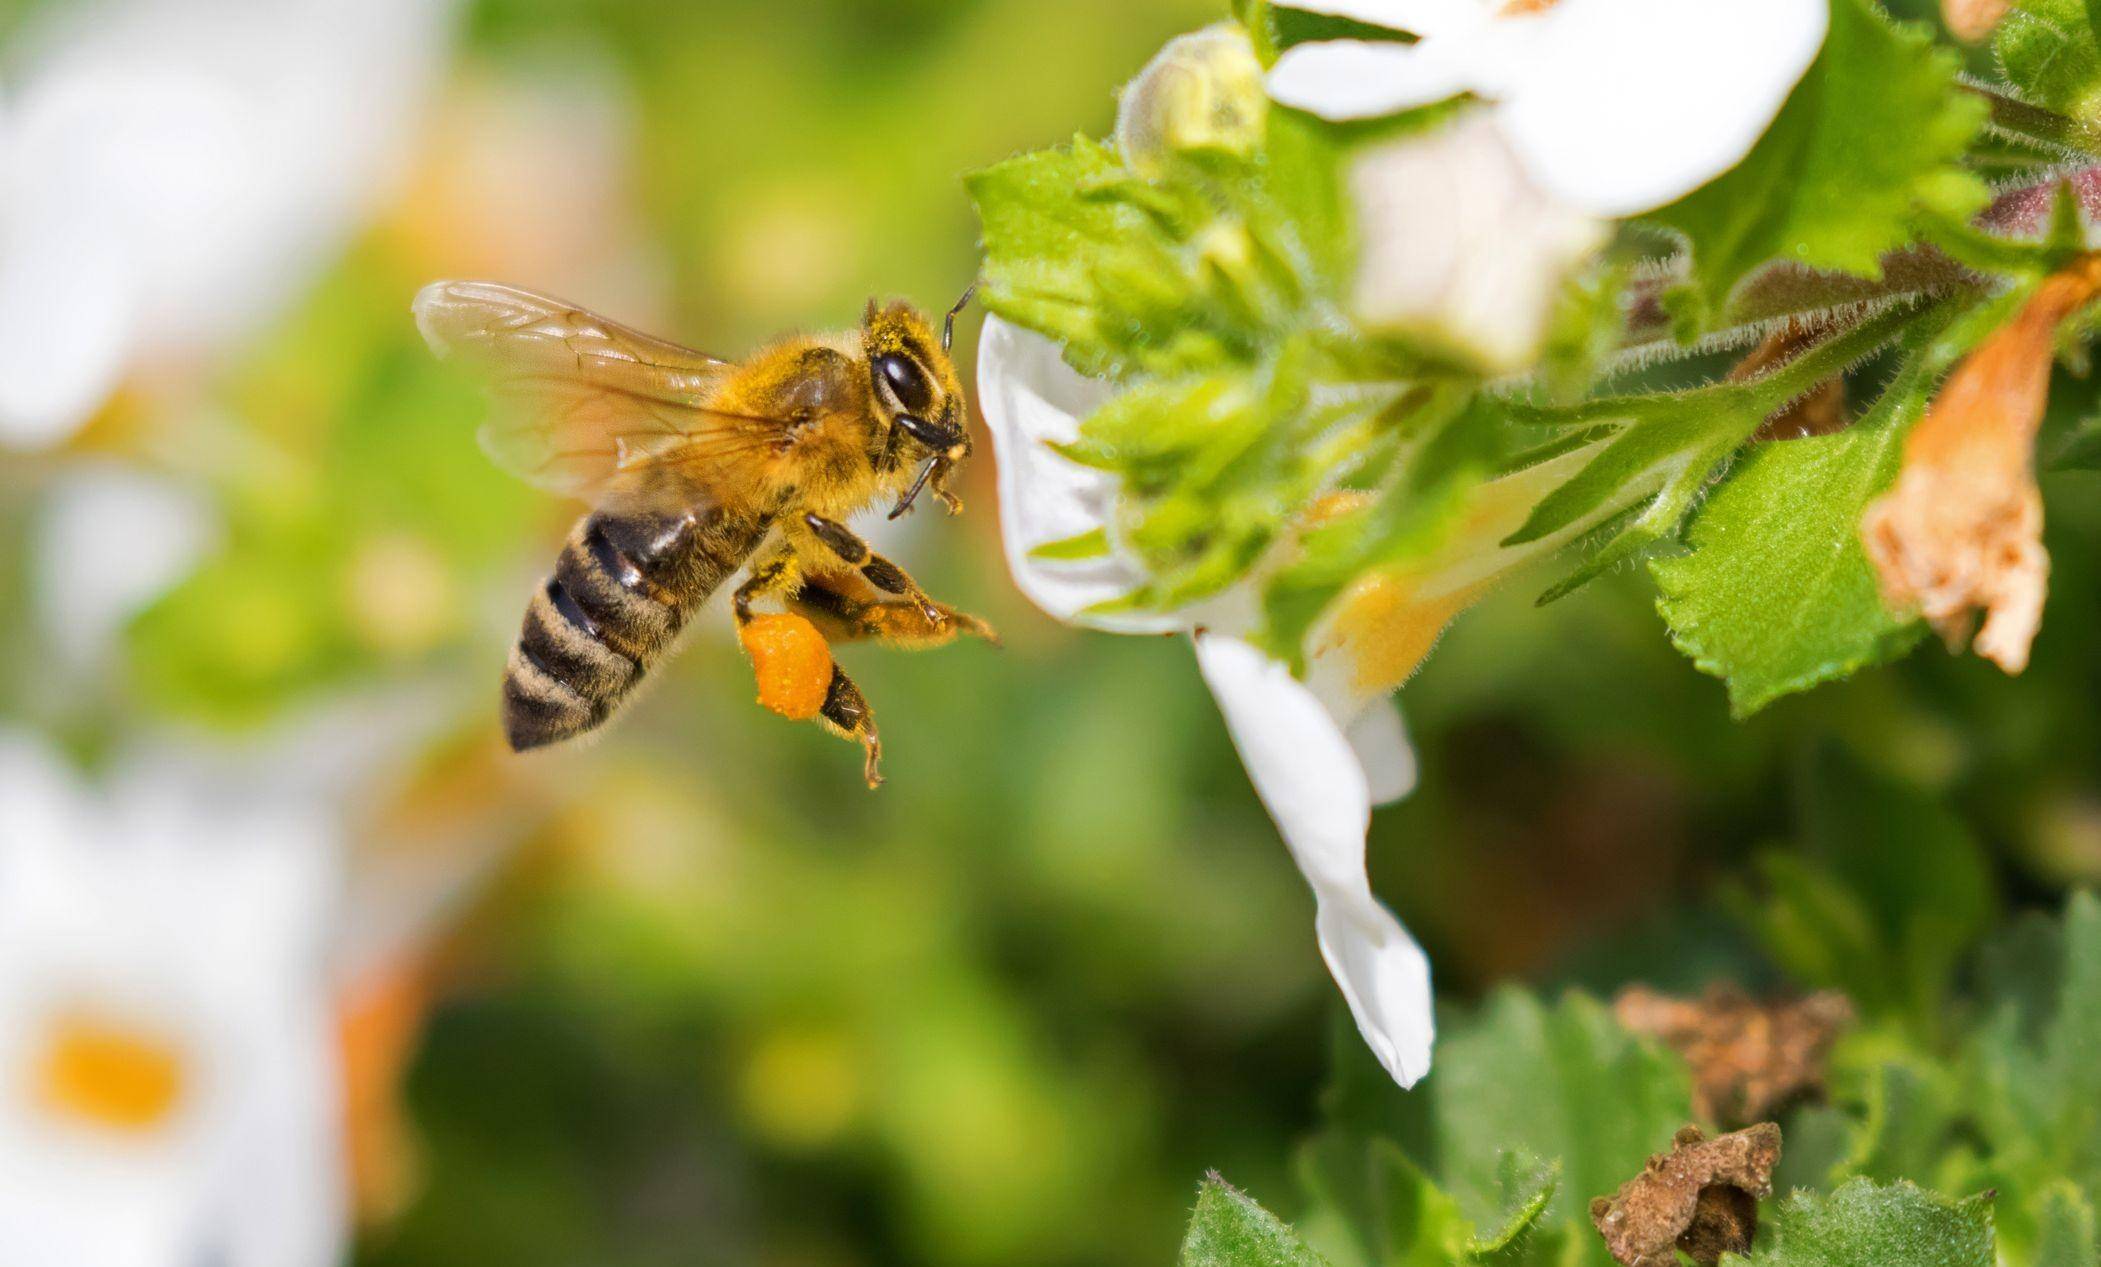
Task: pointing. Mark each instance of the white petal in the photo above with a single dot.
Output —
(1032, 399)
(1308, 774)
(110, 541)
(1363, 79)
(1420, 17)
(1459, 247)
(1380, 741)
(1631, 104)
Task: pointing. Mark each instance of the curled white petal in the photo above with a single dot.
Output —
(1031, 400)
(1318, 790)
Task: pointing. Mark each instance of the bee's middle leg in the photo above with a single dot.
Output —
(774, 574)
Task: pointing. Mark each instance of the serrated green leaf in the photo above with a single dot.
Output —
(2038, 1104)
(1776, 594)
(1229, 1230)
(1864, 1224)
(2047, 51)
(1527, 1185)
(1388, 1212)
(1873, 133)
(1563, 1083)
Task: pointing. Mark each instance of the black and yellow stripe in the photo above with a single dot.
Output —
(622, 590)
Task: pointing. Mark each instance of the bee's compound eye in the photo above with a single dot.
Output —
(907, 382)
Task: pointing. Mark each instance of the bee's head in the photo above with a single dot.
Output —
(917, 393)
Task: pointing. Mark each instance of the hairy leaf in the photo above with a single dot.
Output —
(1864, 1224)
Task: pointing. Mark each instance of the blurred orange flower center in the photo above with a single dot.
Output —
(110, 1076)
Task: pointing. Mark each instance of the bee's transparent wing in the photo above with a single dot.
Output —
(584, 406)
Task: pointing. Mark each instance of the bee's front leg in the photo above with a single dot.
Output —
(878, 571)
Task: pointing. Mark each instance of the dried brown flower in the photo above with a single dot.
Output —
(1972, 20)
(1701, 1197)
(1961, 530)
(1749, 1058)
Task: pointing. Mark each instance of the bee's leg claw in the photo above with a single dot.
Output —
(871, 763)
(977, 628)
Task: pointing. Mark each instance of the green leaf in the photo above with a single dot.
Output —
(1872, 134)
(1092, 544)
(1889, 893)
(2039, 1059)
(1669, 446)
(2065, 1229)
(1777, 594)
(1229, 1230)
(2046, 49)
(1564, 1083)
(2080, 450)
(1864, 1224)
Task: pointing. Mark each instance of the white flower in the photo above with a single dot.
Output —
(1319, 764)
(1321, 753)
(174, 171)
(1458, 247)
(1613, 106)
(177, 936)
(108, 541)
(167, 1087)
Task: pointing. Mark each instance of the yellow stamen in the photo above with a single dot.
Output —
(110, 1076)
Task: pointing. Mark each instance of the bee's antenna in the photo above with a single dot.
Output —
(948, 324)
(912, 494)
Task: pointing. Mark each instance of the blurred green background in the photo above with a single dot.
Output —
(724, 1005)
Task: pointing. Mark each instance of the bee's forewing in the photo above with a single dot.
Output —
(583, 404)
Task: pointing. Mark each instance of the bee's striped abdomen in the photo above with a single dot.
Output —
(621, 591)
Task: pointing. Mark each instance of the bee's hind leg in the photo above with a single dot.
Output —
(846, 714)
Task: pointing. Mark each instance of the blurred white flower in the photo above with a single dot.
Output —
(188, 942)
(167, 1086)
(1320, 758)
(1459, 248)
(1613, 106)
(177, 169)
(108, 541)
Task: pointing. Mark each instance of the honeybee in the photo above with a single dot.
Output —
(695, 467)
